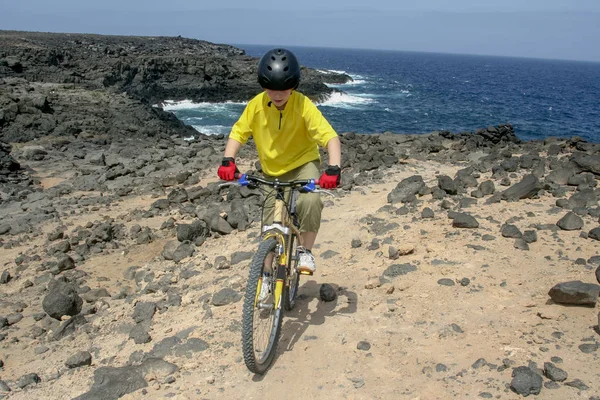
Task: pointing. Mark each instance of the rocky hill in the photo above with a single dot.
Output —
(66, 84)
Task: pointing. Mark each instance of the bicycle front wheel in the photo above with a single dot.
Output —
(261, 319)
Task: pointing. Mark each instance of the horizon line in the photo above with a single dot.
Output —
(313, 46)
(417, 51)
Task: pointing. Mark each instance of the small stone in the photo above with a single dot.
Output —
(554, 373)
(393, 253)
(525, 381)
(511, 231)
(139, 334)
(588, 348)
(427, 213)
(226, 296)
(363, 345)
(356, 243)
(446, 282)
(406, 249)
(577, 384)
(594, 233)
(551, 385)
(80, 359)
(570, 222)
(373, 282)
(575, 292)
(143, 311)
(374, 245)
(530, 236)
(327, 292)
(5, 277)
(27, 380)
(461, 220)
(521, 244)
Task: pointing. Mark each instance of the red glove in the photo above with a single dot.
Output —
(331, 178)
(227, 170)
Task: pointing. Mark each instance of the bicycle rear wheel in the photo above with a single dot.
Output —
(293, 277)
(261, 321)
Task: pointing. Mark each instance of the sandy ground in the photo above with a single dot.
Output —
(425, 339)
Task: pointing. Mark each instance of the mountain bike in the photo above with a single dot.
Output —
(262, 315)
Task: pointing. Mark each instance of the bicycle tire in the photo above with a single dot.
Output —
(259, 365)
(293, 277)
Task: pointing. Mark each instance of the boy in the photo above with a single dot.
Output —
(287, 129)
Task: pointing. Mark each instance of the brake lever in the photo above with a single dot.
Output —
(324, 191)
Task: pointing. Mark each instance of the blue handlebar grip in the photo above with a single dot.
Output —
(311, 187)
(243, 181)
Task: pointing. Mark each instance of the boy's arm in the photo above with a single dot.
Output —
(232, 148)
(334, 149)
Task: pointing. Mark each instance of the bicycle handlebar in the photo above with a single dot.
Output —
(306, 185)
(244, 180)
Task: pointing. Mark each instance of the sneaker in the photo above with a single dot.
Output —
(306, 261)
(265, 289)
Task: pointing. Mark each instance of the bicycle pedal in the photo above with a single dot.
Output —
(308, 273)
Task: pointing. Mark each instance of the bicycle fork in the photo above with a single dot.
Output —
(279, 282)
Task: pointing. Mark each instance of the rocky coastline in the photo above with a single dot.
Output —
(93, 178)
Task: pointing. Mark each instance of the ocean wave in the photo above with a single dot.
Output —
(213, 129)
(331, 71)
(171, 105)
(356, 79)
(344, 100)
(355, 82)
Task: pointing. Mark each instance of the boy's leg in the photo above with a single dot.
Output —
(309, 207)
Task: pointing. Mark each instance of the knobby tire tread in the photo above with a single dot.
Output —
(256, 268)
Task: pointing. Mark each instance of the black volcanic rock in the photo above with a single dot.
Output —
(88, 80)
(575, 292)
(587, 162)
(527, 188)
(61, 300)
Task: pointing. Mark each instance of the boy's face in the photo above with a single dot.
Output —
(279, 97)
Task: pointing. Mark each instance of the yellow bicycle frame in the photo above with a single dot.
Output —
(282, 221)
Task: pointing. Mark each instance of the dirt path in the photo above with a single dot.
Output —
(408, 338)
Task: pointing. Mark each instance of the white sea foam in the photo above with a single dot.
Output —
(170, 105)
(355, 82)
(344, 100)
(356, 79)
(212, 129)
(331, 71)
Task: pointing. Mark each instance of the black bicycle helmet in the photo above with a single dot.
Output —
(278, 69)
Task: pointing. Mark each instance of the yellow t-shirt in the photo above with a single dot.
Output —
(285, 139)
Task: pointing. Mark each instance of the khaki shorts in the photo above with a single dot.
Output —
(309, 205)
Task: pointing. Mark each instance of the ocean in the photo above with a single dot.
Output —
(410, 92)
